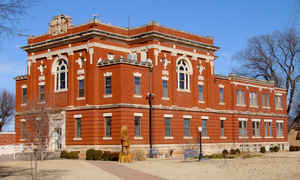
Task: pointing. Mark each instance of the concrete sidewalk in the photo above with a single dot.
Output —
(123, 172)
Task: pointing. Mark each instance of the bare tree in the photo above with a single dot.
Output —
(274, 57)
(7, 107)
(11, 11)
(38, 134)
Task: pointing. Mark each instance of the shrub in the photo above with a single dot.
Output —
(238, 151)
(215, 156)
(225, 153)
(263, 149)
(64, 154)
(90, 154)
(98, 155)
(73, 155)
(276, 149)
(271, 149)
(232, 151)
(106, 155)
(297, 148)
(114, 156)
(139, 155)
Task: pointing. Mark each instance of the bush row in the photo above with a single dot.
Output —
(69, 155)
(272, 149)
(92, 154)
(294, 148)
(232, 151)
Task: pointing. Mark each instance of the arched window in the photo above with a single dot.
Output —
(61, 75)
(183, 75)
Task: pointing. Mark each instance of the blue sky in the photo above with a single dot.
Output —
(230, 22)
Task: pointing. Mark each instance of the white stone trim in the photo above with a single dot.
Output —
(256, 137)
(80, 77)
(23, 120)
(107, 114)
(256, 120)
(279, 121)
(223, 118)
(80, 98)
(138, 114)
(7, 132)
(24, 86)
(107, 74)
(41, 83)
(77, 116)
(168, 137)
(204, 117)
(165, 78)
(200, 83)
(201, 102)
(278, 94)
(41, 78)
(80, 71)
(223, 137)
(268, 137)
(243, 119)
(243, 137)
(137, 74)
(165, 98)
(221, 86)
(251, 85)
(138, 138)
(187, 116)
(267, 120)
(205, 137)
(168, 115)
(187, 137)
(106, 138)
(77, 139)
(107, 95)
(137, 96)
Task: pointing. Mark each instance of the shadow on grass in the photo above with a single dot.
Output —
(25, 173)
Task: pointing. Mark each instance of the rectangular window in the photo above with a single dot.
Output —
(253, 99)
(81, 88)
(240, 97)
(108, 126)
(42, 92)
(200, 92)
(186, 127)
(78, 127)
(137, 85)
(222, 128)
(108, 85)
(23, 130)
(265, 99)
(268, 128)
(279, 129)
(256, 128)
(278, 102)
(221, 93)
(204, 127)
(243, 128)
(165, 88)
(137, 126)
(168, 126)
(24, 95)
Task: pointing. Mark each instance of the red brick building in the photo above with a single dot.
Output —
(100, 76)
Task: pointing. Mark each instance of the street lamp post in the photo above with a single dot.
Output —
(200, 134)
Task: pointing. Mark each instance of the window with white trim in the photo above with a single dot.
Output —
(268, 128)
(24, 95)
(78, 127)
(200, 93)
(165, 88)
(278, 102)
(81, 88)
(256, 127)
(61, 75)
(183, 75)
(221, 95)
(23, 130)
(240, 97)
(168, 127)
(187, 127)
(279, 128)
(108, 85)
(137, 85)
(137, 126)
(243, 127)
(222, 126)
(107, 126)
(204, 127)
(265, 99)
(253, 99)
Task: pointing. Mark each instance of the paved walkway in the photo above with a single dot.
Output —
(123, 172)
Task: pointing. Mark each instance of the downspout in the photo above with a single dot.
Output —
(150, 112)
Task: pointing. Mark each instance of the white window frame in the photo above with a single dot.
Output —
(105, 115)
(279, 132)
(221, 86)
(241, 94)
(203, 97)
(244, 129)
(186, 71)
(222, 119)
(206, 119)
(278, 101)
(140, 115)
(24, 87)
(57, 74)
(77, 138)
(106, 75)
(268, 128)
(138, 75)
(256, 132)
(165, 79)
(253, 99)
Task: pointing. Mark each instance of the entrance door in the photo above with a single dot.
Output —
(58, 135)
